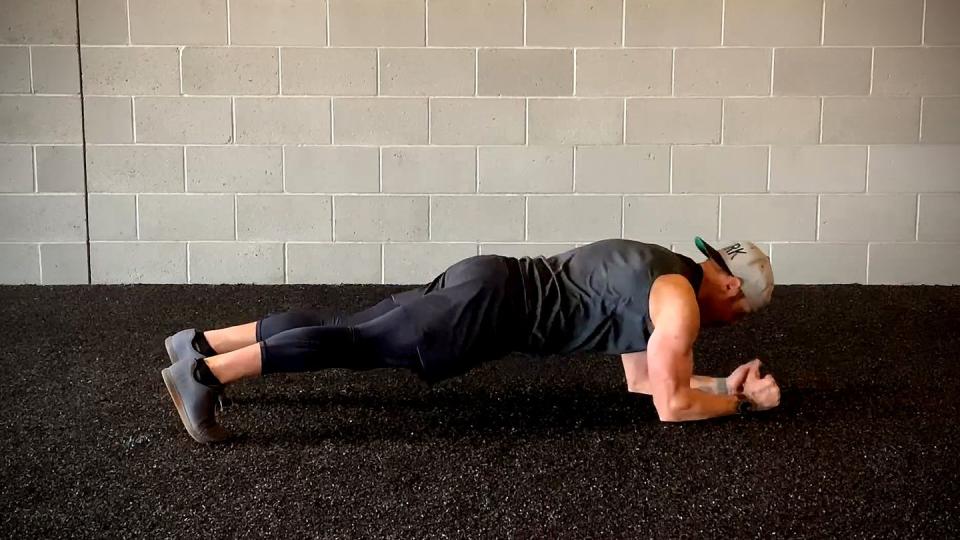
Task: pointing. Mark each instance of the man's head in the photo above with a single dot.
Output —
(737, 281)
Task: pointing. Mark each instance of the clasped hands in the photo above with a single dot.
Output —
(763, 391)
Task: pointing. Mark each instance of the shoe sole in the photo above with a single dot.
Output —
(178, 403)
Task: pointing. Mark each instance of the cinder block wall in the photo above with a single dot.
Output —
(378, 141)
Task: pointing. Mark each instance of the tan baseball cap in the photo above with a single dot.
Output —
(746, 261)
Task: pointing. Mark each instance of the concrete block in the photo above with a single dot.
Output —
(872, 120)
(766, 23)
(187, 217)
(350, 169)
(138, 262)
(914, 264)
(418, 263)
(768, 217)
(574, 23)
(63, 264)
(429, 169)
(821, 71)
(178, 22)
(525, 169)
(103, 22)
(914, 168)
(15, 70)
(872, 22)
(868, 217)
(19, 264)
(113, 217)
(722, 72)
(108, 119)
(268, 22)
(381, 218)
(36, 119)
(184, 120)
(56, 70)
(546, 72)
(333, 263)
(285, 120)
(575, 121)
(622, 169)
(673, 120)
(380, 121)
(42, 218)
(915, 71)
(476, 218)
(284, 217)
(39, 21)
(719, 169)
(941, 120)
(673, 23)
(230, 70)
(941, 22)
(455, 23)
(16, 169)
(477, 121)
(818, 169)
(786, 120)
(816, 263)
(939, 217)
(624, 72)
(135, 169)
(232, 169)
(387, 23)
(662, 218)
(526, 249)
(131, 70)
(559, 217)
(427, 72)
(330, 72)
(60, 169)
(236, 262)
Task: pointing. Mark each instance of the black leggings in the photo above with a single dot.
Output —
(305, 340)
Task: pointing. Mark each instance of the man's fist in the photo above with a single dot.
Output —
(739, 376)
(762, 391)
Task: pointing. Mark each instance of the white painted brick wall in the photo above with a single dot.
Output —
(379, 141)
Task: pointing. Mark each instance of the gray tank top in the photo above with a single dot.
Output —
(596, 297)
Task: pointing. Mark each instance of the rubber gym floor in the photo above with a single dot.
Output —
(864, 444)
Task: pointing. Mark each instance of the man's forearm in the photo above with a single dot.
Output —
(713, 385)
(696, 404)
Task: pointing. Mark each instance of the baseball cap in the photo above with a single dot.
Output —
(746, 261)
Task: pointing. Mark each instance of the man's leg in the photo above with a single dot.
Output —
(232, 338)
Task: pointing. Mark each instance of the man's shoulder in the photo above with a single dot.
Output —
(672, 296)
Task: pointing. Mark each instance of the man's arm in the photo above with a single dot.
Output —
(638, 380)
(676, 318)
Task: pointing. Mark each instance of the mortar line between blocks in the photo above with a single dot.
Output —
(920, 127)
(426, 22)
(33, 155)
(30, 66)
(188, 261)
(229, 41)
(233, 120)
(817, 233)
(129, 35)
(823, 20)
(133, 119)
(279, 71)
(623, 23)
(873, 54)
(524, 23)
(180, 67)
(916, 229)
(723, 22)
(328, 22)
(923, 25)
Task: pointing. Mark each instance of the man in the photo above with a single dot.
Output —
(617, 296)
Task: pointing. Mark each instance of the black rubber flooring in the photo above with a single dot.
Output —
(864, 445)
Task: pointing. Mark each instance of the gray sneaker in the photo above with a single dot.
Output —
(195, 402)
(180, 347)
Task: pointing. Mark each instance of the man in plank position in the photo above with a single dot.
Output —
(615, 296)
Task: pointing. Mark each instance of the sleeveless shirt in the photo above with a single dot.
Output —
(596, 297)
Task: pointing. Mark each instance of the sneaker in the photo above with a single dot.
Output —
(180, 347)
(195, 402)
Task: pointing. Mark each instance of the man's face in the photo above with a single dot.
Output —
(733, 307)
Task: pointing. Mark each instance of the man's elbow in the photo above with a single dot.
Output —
(671, 408)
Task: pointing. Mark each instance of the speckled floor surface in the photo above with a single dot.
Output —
(864, 445)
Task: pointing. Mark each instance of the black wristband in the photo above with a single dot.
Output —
(744, 405)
